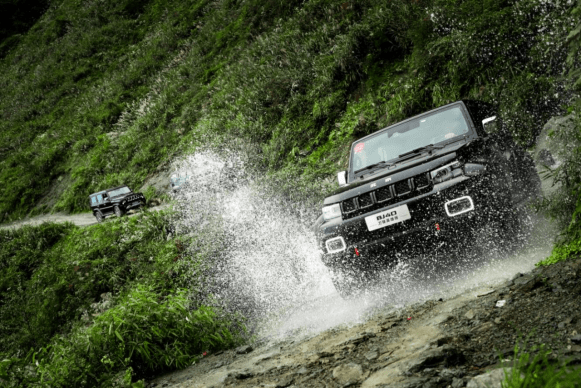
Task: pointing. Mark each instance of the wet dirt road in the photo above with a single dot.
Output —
(80, 219)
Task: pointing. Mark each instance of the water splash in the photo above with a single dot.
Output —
(265, 258)
(265, 262)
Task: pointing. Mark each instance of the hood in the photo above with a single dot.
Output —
(389, 176)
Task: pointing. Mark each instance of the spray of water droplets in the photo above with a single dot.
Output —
(262, 259)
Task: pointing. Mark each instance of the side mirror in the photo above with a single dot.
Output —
(490, 125)
(342, 178)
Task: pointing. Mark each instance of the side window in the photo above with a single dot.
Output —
(100, 198)
(93, 200)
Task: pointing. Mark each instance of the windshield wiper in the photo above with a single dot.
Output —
(371, 166)
(429, 147)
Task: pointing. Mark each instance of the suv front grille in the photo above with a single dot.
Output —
(383, 194)
(402, 188)
(349, 206)
(386, 195)
(365, 200)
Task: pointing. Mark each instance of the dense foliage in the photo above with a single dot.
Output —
(16, 17)
(534, 368)
(101, 93)
(80, 306)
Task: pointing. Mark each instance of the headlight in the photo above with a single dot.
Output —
(445, 173)
(331, 212)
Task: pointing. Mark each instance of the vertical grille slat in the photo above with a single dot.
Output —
(349, 205)
(383, 194)
(365, 200)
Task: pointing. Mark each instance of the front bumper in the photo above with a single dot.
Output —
(429, 224)
(134, 203)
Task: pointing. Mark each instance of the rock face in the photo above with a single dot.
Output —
(464, 341)
(550, 150)
(347, 374)
(491, 379)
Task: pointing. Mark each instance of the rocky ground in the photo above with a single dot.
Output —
(455, 342)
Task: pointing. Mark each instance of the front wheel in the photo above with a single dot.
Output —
(99, 216)
(520, 227)
(118, 211)
(351, 282)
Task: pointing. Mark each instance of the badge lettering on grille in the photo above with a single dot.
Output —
(387, 215)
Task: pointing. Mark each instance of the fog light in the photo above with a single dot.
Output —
(336, 244)
(459, 206)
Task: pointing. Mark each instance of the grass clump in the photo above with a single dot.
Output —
(535, 369)
(142, 334)
(90, 307)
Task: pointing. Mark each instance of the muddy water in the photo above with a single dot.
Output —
(269, 266)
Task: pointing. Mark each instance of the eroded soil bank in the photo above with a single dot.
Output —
(436, 343)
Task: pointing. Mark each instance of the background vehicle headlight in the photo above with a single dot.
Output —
(331, 212)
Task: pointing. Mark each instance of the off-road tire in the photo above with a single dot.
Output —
(351, 283)
(99, 216)
(118, 211)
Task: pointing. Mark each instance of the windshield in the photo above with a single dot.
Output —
(120, 191)
(400, 139)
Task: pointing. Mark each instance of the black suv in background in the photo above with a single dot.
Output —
(117, 200)
(446, 172)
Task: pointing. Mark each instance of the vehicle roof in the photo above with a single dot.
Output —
(106, 190)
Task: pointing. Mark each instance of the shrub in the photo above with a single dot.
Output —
(143, 332)
(102, 299)
(533, 368)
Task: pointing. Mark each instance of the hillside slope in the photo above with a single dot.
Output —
(100, 93)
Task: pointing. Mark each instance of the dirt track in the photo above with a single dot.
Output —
(80, 219)
(436, 343)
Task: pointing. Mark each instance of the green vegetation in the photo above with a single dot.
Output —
(564, 203)
(99, 93)
(86, 307)
(533, 368)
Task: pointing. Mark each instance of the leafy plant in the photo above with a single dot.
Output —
(143, 333)
(533, 368)
(100, 300)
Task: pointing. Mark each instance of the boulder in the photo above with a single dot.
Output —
(347, 374)
(551, 148)
(492, 379)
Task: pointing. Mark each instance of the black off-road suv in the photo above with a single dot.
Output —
(447, 172)
(117, 200)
